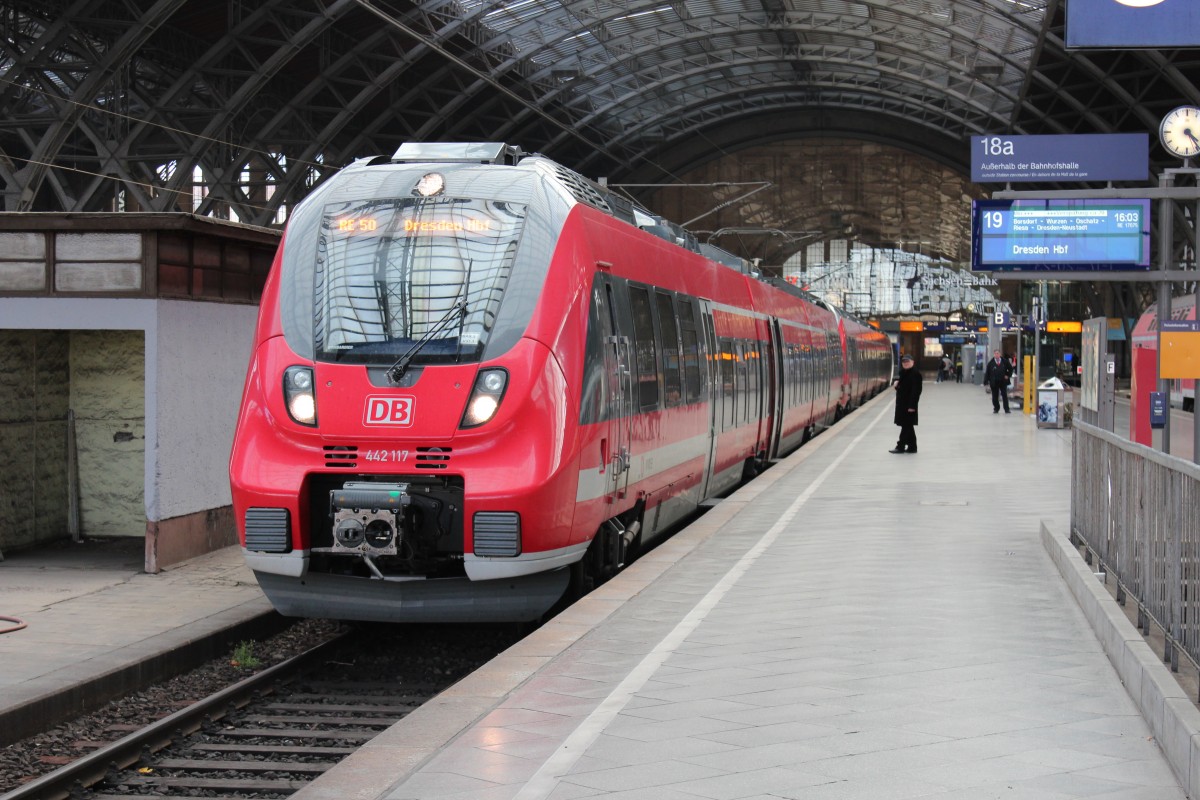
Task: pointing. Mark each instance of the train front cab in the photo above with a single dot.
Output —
(389, 501)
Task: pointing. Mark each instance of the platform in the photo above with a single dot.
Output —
(97, 626)
(853, 624)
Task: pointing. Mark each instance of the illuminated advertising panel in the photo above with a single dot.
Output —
(1092, 348)
(1039, 234)
(1133, 23)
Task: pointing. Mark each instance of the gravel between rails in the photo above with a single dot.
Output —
(428, 655)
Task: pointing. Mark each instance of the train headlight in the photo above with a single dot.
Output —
(298, 395)
(485, 397)
(431, 184)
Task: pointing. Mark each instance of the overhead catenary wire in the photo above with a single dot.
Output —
(154, 186)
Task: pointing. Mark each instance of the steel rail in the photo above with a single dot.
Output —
(93, 768)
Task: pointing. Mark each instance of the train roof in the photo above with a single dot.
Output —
(1183, 307)
(598, 196)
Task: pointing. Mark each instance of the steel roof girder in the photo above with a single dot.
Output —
(668, 144)
(898, 107)
(609, 109)
(50, 142)
(109, 161)
(1186, 89)
(689, 120)
(55, 32)
(497, 85)
(1087, 65)
(609, 82)
(833, 17)
(1113, 85)
(285, 50)
(806, 22)
(261, 71)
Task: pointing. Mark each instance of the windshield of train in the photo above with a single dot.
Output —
(393, 273)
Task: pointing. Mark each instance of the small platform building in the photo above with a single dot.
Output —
(124, 340)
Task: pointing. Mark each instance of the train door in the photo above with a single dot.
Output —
(776, 385)
(845, 393)
(619, 380)
(712, 392)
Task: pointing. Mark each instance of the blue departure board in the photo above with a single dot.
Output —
(1055, 234)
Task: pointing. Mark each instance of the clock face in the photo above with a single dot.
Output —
(1180, 131)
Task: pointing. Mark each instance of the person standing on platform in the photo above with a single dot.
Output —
(958, 368)
(908, 394)
(999, 373)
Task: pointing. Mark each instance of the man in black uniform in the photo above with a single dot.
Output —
(999, 371)
(908, 394)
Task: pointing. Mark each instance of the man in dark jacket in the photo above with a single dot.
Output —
(999, 372)
(908, 394)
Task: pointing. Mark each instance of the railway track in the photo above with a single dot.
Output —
(264, 737)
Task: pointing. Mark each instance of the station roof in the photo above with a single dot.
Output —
(240, 108)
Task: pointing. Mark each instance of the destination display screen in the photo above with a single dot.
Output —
(1055, 234)
(433, 226)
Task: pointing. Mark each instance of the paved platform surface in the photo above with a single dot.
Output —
(96, 624)
(854, 624)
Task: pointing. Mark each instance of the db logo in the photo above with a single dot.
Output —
(389, 410)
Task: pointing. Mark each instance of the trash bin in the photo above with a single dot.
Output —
(1051, 410)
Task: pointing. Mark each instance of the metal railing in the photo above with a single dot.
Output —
(1138, 511)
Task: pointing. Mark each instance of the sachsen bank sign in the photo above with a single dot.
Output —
(1133, 23)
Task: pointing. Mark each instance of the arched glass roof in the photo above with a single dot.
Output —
(238, 109)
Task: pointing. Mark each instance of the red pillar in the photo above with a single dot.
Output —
(1145, 381)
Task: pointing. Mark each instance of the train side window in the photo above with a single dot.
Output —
(786, 377)
(826, 367)
(748, 373)
(832, 359)
(810, 372)
(798, 377)
(727, 385)
(819, 345)
(593, 403)
(793, 375)
(647, 358)
(692, 383)
(613, 329)
(751, 376)
(739, 388)
(753, 379)
(611, 308)
(672, 385)
(789, 395)
(835, 361)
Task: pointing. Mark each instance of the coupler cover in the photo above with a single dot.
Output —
(368, 518)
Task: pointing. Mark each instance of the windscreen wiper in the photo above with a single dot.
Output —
(396, 371)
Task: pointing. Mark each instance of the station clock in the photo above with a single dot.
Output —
(1179, 131)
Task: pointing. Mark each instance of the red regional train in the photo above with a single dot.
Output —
(477, 376)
